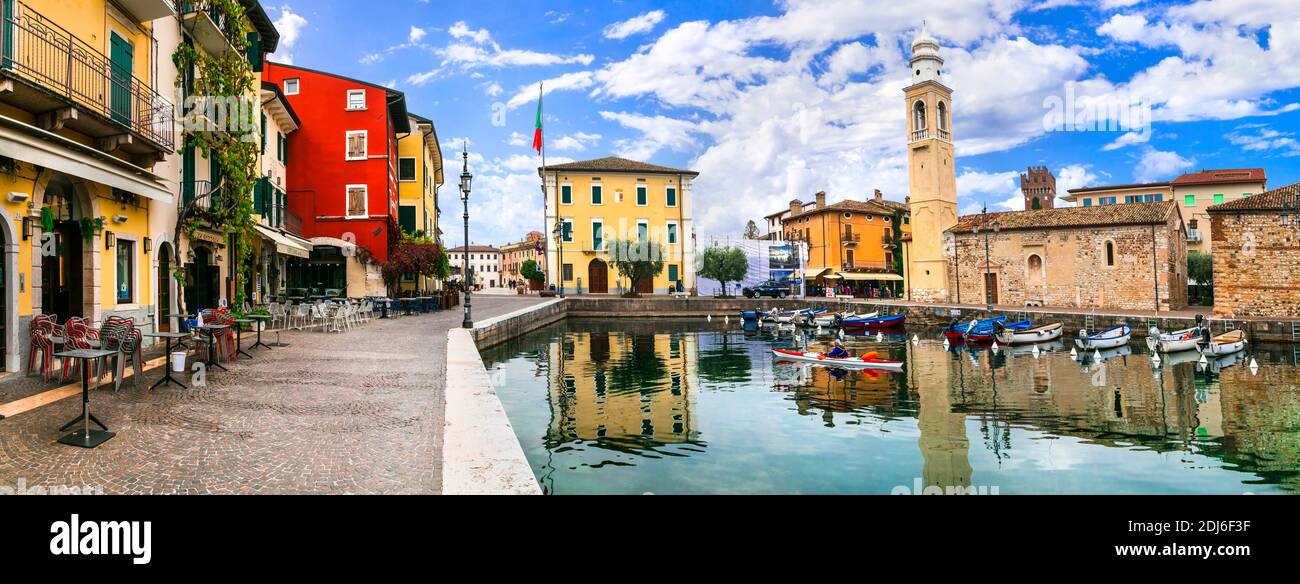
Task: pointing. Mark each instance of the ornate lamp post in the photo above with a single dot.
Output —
(465, 179)
(559, 259)
(988, 269)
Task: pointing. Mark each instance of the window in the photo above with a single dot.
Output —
(597, 235)
(356, 145)
(1035, 204)
(358, 206)
(125, 271)
(282, 148)
(566, 195)
(907, 219)
(1189, 200)
(568, 272)
(1218, 198)
(1106, 201)
(672, 196)
(406, 169)
(1087, 202)
(596, 198)
(1191, 224)
(672, 272)
(568, 230)
(406, 218)
(642, 231)
(918, 116)
(356, 99)
(641, 196)
(291, 86)
(848, 258)
(672, 233)
(1110, 253)
(1244, 195)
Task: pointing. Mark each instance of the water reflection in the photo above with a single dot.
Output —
(641, 405)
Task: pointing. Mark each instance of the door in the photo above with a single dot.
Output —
(645, 286)
(120, 60)
(598, 277)
(991, 288)
(187, 175)
(164, 288)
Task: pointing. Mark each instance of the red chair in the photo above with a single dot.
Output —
(42, 327)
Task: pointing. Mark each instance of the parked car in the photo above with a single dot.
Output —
(771, 288)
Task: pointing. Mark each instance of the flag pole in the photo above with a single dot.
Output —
(546, 230)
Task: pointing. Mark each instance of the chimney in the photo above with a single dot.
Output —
(796, 207)
(878, 195)
(821, 199)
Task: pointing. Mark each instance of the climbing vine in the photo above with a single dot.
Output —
(221, 83)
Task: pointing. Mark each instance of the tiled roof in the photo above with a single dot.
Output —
(473, 248)
(1071, 217)
(1285, 198)
(616, 164)
(846, 205)
(1127, 187)
(1221, 176)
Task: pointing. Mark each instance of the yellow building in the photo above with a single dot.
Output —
(851, 243)
(419, 177)
(597, 201)
(513, 256)
(931, 173)
(279, 229)
(84, 121)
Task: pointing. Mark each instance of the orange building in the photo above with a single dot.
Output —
(852, 245)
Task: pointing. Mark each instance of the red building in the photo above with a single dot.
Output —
(342, 177)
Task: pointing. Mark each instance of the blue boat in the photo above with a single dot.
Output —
(988, 333)
(879, 322)
(751, 314)
(957, 330)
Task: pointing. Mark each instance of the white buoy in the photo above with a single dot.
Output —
(1096, 355)
(1253, 363)
(880, 337)
(841, 333)
(945, 342)
(995, 345)
(915, 339)
(1073, 353)
(994, 348)
(1155, 359)
(709, 317)
(726, 319)
(1203, 359)
(1036, 351)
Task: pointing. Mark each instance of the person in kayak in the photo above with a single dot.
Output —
(837, 351)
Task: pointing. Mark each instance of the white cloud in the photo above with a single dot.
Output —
(972, 184)
(493, 89)
(528, 93)
(1265, 141)
(290, 25)
(577, 141)
(517, 139)
(1157, 165)
(461, 30)
(1127, 139)
(657, 132)
(416, 34)
(635, 25)
(473, 49)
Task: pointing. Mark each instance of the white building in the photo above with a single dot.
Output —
(484, 265)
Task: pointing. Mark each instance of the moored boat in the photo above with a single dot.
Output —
(867, 361)
(877, 322)
(1176, 341)
(751, 314)
(957, 330)
(833, 318)
(1224, 344)
(1038, 334)
(987, 334)
(1110, 338)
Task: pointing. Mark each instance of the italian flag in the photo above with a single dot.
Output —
(537, 132)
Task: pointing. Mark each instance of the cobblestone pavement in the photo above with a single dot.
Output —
(357, 412)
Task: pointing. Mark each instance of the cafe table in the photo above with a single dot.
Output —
(261, 323)
(239, 349)
(85, 437)
(212, 333)
(167, 369)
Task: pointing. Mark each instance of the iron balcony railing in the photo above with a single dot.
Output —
(203, 196)
(45, 53)
(213, 11)
(868, 266)
(850, 238)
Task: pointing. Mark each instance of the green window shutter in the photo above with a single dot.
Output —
(263, 133)
(640, 196)
(1218, 198)
(597, 235)
(259, 196)
(406, 218)
(566, 195)
(214, 178)
(254, 52)
(1189, 200)
(672, 272)
(672, 197)
(187, 174)
(595, 195)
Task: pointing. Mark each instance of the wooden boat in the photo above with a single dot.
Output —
(794, 315)
(751, 314)
(877, 322)
(988, 334)
(833, 318)
(1110, 338)
(1176, 341)
(1225, 344)
(1038, 334)
(867, 361)
(957, 330)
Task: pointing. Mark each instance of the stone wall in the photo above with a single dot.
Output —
(1256, 264)
(1068, 268)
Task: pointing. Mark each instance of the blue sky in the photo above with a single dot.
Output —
(775, 100)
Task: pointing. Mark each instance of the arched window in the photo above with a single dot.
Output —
(1035, 268)
(918, 116)
(943, 116)
(1035, 204)
(1110, 253)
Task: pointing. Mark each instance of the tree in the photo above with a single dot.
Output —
(1200, 267)
(724, 264)
(636, 261)
(412, 256)
(751, 230)
(529, 270)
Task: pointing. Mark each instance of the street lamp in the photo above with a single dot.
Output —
(988, 270)
(465, 179)
(559, 260)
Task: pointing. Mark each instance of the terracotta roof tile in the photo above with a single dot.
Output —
(473, 248)
(1123, 187)
(1072, 217)
(1285, 198)
(1221, 176)
(616, 164)
(847, 205)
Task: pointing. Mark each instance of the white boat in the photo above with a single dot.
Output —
(1225, 344)
(867, 361)
(1038, 334)
(1176, 341)
(832, 319)
(1116, 336)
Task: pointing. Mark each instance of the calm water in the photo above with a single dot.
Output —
(658, 406)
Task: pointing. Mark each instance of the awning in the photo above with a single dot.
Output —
(830, 277)
(860, 277)
(284, 243)
(31, 144)
(814, 273)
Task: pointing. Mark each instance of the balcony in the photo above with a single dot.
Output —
(921, 134)
(850, 238)
(595, 245)
(69, 84)
(1193, 236)
(869, 267)
(887, 242)
(209, 26)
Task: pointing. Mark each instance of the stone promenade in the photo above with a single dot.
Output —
(356, 412)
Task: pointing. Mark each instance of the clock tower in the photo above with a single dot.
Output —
(932, 188)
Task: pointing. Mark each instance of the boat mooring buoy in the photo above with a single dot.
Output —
(1096, 355)
(1073, 352)
(1036, 351)
(709, 317)
(945, 342)
(1203, 360)
(880, 337)
(726, 319)
(915, 339)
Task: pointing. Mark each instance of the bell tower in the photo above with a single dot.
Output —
(933, 178)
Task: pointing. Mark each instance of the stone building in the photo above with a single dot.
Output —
(1038, 186)
(1257, 254)
(1124, 257)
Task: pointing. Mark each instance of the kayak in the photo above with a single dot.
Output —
(867, 361)
(879, 322)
